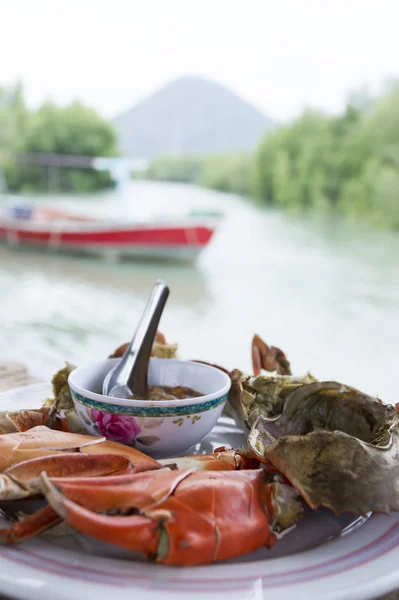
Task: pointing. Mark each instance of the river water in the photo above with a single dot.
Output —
(324, 292)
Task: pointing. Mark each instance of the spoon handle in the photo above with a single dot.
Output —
(138, 353)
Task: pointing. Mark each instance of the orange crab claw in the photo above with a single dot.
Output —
(117, 493)
(41, 441)
(66, 464)
(22, 480)
(176, 517)
(118, 479)
(268, 358)
(140, 461)
(134, 532)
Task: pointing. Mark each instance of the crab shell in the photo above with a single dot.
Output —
(253, 396)
(337, 446)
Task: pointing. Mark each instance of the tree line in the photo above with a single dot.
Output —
(348, 163)
(51, 129)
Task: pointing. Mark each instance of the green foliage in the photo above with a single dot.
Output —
(74, 129)
(228, 173)
(223, 172)
(13, 119)
(182, 169)
(348, 163)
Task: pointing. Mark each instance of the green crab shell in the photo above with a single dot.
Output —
(252, 396)
(332, 406)
(62, 395)
(334, 469)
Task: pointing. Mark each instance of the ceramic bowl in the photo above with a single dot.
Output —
(159, 428)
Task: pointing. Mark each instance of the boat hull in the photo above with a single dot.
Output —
(177, 241)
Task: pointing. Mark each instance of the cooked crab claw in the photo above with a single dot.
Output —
(178, 517)
(22, 480)
(42, 441)
(268, 358)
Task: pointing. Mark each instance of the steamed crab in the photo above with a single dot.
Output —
(336, 445)
(330, 443)
(182, 513)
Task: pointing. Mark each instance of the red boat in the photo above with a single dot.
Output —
(62, 231)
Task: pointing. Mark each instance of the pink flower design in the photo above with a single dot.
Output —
(116, 427)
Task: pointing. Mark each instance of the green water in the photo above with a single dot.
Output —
(326, 293)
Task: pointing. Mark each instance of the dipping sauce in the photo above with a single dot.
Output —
(164, 392)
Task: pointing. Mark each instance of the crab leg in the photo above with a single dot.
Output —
(41, 441)
(140, 461)
(223, 459)
(22, 479)
(30, 526)
(119, 479)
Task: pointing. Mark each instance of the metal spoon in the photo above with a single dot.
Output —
(130, 374)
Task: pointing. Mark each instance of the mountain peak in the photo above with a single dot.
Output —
(191, 115)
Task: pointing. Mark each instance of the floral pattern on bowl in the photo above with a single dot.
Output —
(125, 430)
(116, 427)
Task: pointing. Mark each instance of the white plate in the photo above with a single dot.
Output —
(324, 557)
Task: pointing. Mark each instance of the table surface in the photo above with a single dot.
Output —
(14, 374)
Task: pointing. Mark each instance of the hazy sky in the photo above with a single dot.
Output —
(282, 55)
